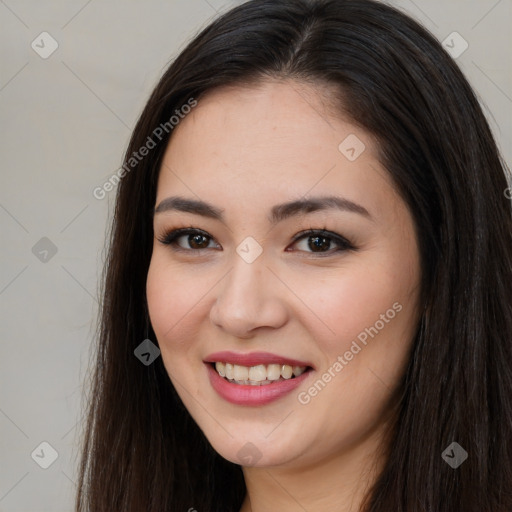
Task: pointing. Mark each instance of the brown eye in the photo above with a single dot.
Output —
(321, 242)
(188, 240)
(197, 241)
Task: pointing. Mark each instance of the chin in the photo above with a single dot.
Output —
(254, 451)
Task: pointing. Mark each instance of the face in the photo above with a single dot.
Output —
(283, 253)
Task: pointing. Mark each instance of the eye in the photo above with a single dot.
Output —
(322, 242)
(188, 239)
(313, 241)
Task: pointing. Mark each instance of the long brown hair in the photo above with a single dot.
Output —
(143, 451)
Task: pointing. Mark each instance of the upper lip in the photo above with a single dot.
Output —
(253, 359)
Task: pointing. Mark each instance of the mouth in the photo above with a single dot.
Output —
(256, 378)
(258, 375)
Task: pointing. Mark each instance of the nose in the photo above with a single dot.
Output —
(249, 298)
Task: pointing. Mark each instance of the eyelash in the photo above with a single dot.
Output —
(170, 238)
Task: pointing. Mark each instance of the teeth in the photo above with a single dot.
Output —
(273, 372)
(257, 375)
(221, 368)
(286, 371)
(298, 370)
(241, 372)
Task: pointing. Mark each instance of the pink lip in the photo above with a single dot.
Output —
(241, 394)
(252, 359)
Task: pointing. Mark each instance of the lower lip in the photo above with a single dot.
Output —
(241, 394)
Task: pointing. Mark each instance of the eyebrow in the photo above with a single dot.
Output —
(278, 213)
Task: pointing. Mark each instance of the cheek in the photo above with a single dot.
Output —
(373, 316)
(173, 300)
(347, 303)
(174, 305)
(369, 316)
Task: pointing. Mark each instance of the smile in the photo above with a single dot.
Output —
(256, 378)
(259, 375)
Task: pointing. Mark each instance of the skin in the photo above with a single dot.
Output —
(245, 149)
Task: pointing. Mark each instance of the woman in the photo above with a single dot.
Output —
(312, 228)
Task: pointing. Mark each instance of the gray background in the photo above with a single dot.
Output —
(66, 121)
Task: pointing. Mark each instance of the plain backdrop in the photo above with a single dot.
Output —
(66, 120)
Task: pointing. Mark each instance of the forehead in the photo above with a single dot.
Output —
(288, 120)
(276, 139)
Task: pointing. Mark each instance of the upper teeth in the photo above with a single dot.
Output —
(258, 373)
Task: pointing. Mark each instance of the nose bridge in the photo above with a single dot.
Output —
(247, 299)
(244, 285)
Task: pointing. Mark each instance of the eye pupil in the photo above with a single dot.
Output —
(198, 241)
(318, 242)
